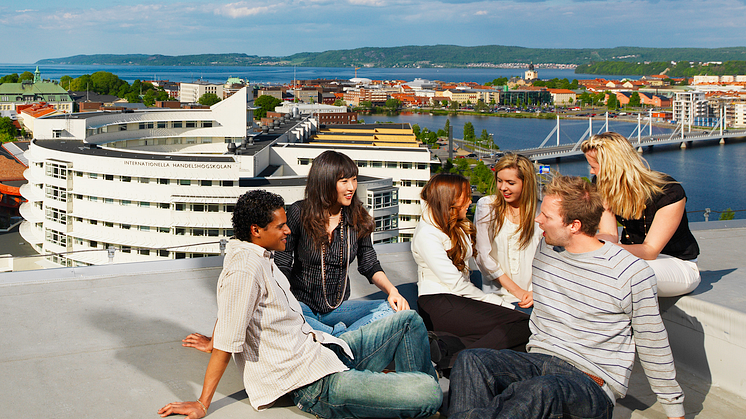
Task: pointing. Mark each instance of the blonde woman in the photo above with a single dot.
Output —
(650, 206)
(507, 234)
(448, 302)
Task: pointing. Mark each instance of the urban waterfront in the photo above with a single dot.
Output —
(281, 75)
(713, 175)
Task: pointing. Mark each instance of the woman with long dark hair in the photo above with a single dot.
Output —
(329, 229)
(448, 302)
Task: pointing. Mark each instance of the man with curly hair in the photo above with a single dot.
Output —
(260, 324)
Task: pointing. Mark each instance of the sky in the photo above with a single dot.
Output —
(32, 30)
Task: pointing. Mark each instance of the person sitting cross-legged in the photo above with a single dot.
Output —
(260, 324)
(595, 305)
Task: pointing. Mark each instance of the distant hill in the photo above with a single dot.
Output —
(681, 69)
(424, 56)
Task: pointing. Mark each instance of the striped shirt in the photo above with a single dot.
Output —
(594, 309)
(260, 323)
(301, 262)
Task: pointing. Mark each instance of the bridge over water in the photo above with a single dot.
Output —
(680, 136)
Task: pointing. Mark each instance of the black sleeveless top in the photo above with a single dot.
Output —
(682, 245)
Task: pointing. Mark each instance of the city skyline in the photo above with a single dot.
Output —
(168, 27)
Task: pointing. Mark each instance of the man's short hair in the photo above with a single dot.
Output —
(255, 207)
(579, 200)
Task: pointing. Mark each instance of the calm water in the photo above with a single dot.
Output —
(270, 74)
(713, 175)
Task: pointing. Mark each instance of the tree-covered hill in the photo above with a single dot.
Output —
(680, 69)
(426, 56)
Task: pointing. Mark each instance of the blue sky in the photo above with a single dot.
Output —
(43, 29)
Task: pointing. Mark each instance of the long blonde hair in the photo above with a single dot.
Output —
(624, 179)
(527, 203)
(443, 194)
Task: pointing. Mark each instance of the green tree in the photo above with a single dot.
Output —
(444, 103)
(8, 131)
(209, 99)
(612, 101)
(727, 215)
(485, 137)
(469, 135)
(66, 81)
(366, 104)
(634, 100)
(26, 75)
(416, 130)
(392, 104)
(481, 106)
(447, 126)
(454, 105)
(10, 78)
(265, 103)
(340, 102)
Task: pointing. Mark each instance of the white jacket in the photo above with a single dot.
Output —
(436, 273)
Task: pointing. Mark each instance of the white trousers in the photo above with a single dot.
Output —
(675, 276)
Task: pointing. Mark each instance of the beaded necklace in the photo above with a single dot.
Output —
(346, 240)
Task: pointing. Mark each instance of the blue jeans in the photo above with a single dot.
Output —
(350, 315)
(486, 383)
(363, 390)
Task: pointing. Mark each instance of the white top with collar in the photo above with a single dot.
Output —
(436, 273)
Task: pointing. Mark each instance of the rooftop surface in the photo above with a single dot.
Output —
(105, 341)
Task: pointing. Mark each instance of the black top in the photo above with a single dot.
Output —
(301, 262)
(682, 245)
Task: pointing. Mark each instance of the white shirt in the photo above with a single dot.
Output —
(436, 273)
(503, 255)
(261, 323)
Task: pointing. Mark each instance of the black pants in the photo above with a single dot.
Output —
(476, 323)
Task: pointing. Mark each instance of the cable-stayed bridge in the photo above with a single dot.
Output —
(680, 136)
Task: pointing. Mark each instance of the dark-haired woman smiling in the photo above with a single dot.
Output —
(329, 229)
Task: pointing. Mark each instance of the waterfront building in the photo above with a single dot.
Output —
(34, 91)
(191, 92)
(689, 105)
(562, 96)
(161, 183)
(531, 74)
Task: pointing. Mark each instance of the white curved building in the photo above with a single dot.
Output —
(162, 183)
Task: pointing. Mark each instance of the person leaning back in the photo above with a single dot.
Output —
(260, 324)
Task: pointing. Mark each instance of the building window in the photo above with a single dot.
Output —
(56, 215)
(144, 228)
(108, 177)
(163, 253)
(56, 237)
(108, 224)
(123, 127)
(185, 182)
(145, 204)
(164, 205)
(213, 208)
(228, 183)
(383, 199)
(56, 193)
(205, 183)
(207, 124)
(126, 226)
(180, 207)
(143, 251)
(92, 243)
(164, 181)
(126, 179)
(198, 208)
(161, 124)
(93, 175)
(406, 165)
(177, 124)
(303, 161)
(164, 230)
(386, 222)
(125, 202)
(58, 171)
(108, 201)
(191, 124)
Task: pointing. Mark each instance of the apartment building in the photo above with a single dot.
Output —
(191, 92)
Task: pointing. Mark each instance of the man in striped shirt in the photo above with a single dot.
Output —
(594, 305)
(260, 324)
